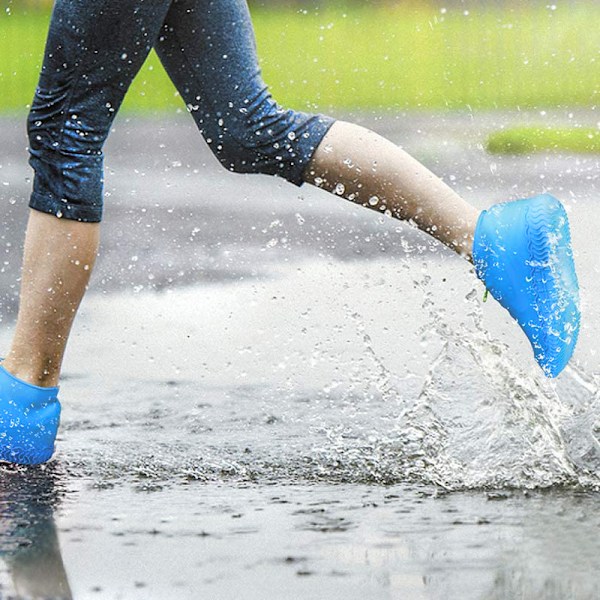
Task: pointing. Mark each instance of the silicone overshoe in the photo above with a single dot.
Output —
(29, 419)
(522, 252)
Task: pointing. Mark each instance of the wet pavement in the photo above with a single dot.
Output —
(272, 393)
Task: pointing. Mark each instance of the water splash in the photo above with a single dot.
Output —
(481, 421)
(477, 419)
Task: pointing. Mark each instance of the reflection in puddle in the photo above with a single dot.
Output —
(28, 539)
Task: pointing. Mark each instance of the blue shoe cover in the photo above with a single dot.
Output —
(522, 252)
(29, 418)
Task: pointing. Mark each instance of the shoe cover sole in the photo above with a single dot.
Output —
(22, 456)
(554, 284)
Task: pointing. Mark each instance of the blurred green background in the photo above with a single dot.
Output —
(374, 55)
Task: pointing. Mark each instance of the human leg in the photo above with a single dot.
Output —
(364, 167)
(521, 250)
(217, 74)
(58, 260)
(208, 50)
(94, 50)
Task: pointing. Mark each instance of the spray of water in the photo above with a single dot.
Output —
(477, 420)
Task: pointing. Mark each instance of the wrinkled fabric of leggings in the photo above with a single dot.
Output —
(94, 50)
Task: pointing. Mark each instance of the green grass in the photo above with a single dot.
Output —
(364, 57)
(526, 140)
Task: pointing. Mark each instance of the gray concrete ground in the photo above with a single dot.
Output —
(270, 392)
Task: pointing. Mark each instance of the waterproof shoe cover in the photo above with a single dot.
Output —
(522, 252)
(29, 418)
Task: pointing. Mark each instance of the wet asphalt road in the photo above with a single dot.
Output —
(270, 391)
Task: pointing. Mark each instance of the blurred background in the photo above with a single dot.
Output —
(374, 54)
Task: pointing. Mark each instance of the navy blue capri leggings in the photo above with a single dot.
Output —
(94, 50)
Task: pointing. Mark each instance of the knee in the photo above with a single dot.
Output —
(246, 146)
(235, 154)
(264, 138)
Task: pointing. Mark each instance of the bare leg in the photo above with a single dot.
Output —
(59, 257)
(364, 167)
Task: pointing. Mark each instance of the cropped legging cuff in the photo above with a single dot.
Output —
(66, 186)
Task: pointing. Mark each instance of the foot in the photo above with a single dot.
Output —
(522, 252)
(29, 418)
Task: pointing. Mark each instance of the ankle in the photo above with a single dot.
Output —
(44, 375)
